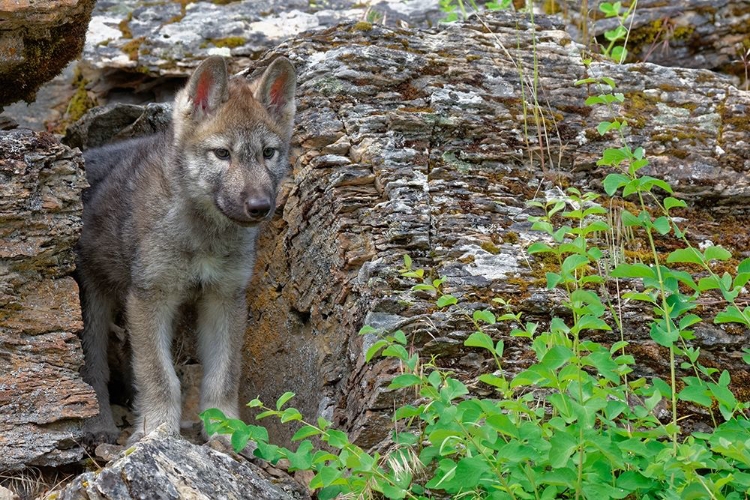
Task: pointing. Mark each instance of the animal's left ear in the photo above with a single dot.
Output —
(275, 91)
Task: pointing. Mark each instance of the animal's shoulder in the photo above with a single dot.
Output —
(128, 155)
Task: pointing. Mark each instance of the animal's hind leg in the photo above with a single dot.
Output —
(98, 314)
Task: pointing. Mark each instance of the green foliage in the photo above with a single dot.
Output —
(452, 8)
(618, 36)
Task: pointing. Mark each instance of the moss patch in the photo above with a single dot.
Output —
(132, 47)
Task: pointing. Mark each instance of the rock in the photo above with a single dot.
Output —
(6, 494)
(163, 466)
(166, 38)
(689, 34)
(117, 122)
(412, 142)
(37, 39)
(42, 397)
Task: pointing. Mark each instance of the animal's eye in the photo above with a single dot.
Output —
(268, 153)
(221, 153)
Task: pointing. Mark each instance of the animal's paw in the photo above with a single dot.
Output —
(98, 431)
(135, 437)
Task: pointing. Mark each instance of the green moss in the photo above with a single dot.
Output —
(125, 26)
(511, 237)
(362, 26)
(551, 7)
(490, 247)
(230, 42)
(132, 48)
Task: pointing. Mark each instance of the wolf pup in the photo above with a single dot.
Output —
(171, 219)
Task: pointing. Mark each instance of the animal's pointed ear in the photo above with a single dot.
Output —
(207, 88)
(275, 90)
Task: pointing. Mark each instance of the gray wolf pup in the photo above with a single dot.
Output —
(172, 219)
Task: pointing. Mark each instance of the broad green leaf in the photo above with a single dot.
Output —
(696, 394)
(290, 415)
(715, 252)
(485, 316)
(730, 315)
(612, 156)
(556, 357)
(283, 399)
(480, 339)
(405, 380)
(670, 203)
(613, 182)
(305, 432)
(538, 247)
(685, 255)
(240, 437)
(663, 337)
(662, 225)
(336, 438)
(573, 262)
(367, 329)
(633, 271)
(400, 337)
(563, 446)
(374, 348)
(446, 300)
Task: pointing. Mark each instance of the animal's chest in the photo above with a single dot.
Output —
(212, 269)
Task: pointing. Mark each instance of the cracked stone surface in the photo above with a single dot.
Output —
(168, 467)
(416, 141)
(42, 396)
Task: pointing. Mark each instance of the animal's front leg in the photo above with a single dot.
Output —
(157, 400)
(221, 325)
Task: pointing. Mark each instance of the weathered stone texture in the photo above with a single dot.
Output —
(420, 142)
(42, 397)
(37, 39)
(167, 467)
(417, 142)
(686, 34)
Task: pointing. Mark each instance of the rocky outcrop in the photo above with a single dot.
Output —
(425, 143)
(37, 40)
(165, 38)
(421, 143)
(163, 466)
(42, 397)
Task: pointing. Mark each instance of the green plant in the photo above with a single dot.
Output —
(452, 7)
(618, 36)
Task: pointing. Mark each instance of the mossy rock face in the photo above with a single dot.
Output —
(42, 38)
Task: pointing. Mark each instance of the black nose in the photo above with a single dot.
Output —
(257, 208)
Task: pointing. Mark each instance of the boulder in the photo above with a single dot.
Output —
(167, 467)
(42, 397)
(37, 39)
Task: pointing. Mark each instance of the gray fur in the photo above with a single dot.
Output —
(168, 221)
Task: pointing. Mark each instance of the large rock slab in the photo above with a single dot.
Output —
(42, 397)
(37, 39)
(424, 142)
(168, 467)
(165, 38)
